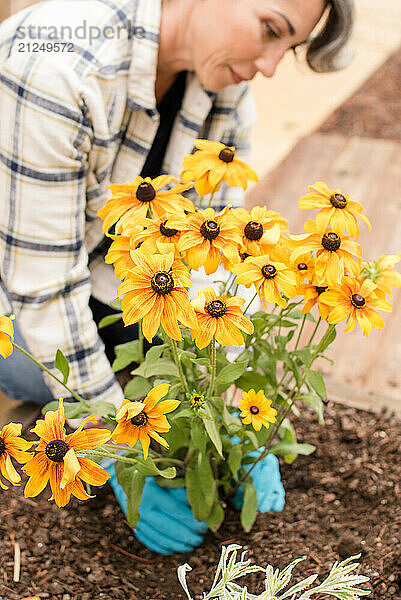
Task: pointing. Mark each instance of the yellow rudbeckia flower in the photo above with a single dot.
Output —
(220, 317)
(134, 199)
(205, 237)
(213, 163)
(56, 459)
(260, 228)
(256, 410)
(336, 208)
(145, 419)
(334, 253)
(6, 335)
(357, 302)
(154, 292)
(12, 445)
(270, 278)
(313, 295)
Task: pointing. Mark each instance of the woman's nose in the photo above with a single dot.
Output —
(267, 63)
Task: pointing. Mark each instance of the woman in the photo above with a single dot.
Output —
(94, 92)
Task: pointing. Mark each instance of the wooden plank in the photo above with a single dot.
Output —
(370, 170)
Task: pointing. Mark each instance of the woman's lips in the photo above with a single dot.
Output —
(235, 76)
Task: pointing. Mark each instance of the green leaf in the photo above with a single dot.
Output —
(148, 467)
(250, 506)
(136, 388)
(109, 320)
(154, 353)
(316, 403)
(102, 409)
(116, 304)
(212, 431)
(198, 475)
(250, 435)
(72, 410)
(232, 424)
(132, 482)
(327, 339)
(126, 354)
(61, 363)
(231, 372)
(198, 437)
(315, 378)
(234, 459)
(216, 517)
(282, 448)
(162, 367)
(203, 362)
(250, 380)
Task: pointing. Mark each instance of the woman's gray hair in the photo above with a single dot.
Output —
(330, 49)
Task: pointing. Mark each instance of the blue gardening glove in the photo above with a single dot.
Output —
(267, 481)
(166, 524)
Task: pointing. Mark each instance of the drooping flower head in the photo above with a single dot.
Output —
(213, 163)
(260, 229)
(205, 236)
(271, 279)
(157, 233)
(304, 268)
(336, 208)
(356, 301)
(134, 199)
(155, 292)
(313, 295)
(12, 445)
(56, 458)
(220, 317)
(333, 253)
(256, 410)
(6, 335)
(145, 419)
(381, 272)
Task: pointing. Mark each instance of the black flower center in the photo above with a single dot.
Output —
(358, 301)
(162, 283)
(253, 230)
(210, 230)
(331, 241)
(269, 271)
(166, 231)
(244, 256)
(56, 450)
(140, 420)
(338, 201)
(216, 308)
(145, 192)
(226, 155)
(302, 267)
(2, 446)
(254, 410)
(320, 289)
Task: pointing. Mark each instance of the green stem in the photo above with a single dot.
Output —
(174, 350)
(213, 368)
(212, 196)
(314, 331)
(249, 304)
(140, 338)
(200, 202)
(300, 332)
(39, 364)
(173, 461)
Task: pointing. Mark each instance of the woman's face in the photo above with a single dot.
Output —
(232, 40)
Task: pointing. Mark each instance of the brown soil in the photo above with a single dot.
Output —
(375, 109)
(342, 500)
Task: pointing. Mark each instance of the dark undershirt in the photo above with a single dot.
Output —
(168, 109)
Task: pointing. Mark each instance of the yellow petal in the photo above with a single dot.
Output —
(71, 468)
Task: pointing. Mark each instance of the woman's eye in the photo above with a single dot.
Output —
(270, 32)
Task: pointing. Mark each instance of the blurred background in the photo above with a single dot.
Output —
(343, 128)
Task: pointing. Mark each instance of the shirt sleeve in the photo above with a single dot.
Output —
(44, 147)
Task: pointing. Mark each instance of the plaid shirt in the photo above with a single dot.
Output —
(72, 123)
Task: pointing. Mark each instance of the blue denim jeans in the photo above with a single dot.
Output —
(20, 378)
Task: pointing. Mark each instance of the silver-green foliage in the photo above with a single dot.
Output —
(340, 582)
